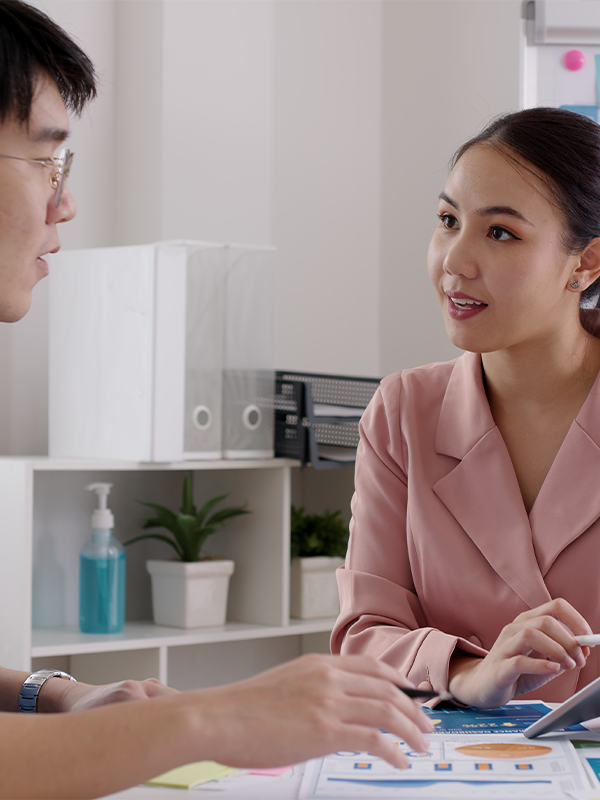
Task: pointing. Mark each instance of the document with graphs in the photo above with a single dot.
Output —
(472, 754)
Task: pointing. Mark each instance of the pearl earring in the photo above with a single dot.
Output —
(575, 285)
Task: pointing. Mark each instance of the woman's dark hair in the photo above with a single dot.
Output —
(32, 44)
(562, 149)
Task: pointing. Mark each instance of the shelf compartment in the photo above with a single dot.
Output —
(47, 519)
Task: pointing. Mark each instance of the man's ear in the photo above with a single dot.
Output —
(589, 264)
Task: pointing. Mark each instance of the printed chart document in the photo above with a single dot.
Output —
(473, 754)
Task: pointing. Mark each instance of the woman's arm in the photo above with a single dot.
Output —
(381, 612)
(305, 708)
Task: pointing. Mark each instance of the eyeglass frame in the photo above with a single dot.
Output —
(62, 165)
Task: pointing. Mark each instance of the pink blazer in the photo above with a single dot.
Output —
(442, 553)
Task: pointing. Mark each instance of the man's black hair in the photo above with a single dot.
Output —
(31, 46)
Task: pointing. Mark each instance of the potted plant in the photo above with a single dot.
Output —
(189, 591)
(318, 548)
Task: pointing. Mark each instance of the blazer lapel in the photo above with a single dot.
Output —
(569, 501)
(482, 492)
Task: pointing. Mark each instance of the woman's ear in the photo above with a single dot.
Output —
(589, 265)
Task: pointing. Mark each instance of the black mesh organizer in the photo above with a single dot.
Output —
(316, 416)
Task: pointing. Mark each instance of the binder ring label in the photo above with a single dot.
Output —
(202, 417)
(252, 417)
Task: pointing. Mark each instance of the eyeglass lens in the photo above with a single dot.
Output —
(63, 162)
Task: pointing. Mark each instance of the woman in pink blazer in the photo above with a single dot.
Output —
(474, 555)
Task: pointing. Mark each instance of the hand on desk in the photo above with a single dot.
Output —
(308, 707)
(529, 652)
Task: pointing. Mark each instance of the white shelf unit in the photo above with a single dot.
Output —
(46, 520)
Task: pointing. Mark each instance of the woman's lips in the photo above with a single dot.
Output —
(461, 306)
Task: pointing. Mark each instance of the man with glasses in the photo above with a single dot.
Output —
(308, 707)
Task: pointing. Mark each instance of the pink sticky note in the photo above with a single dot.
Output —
(574, 60)
(275, 771)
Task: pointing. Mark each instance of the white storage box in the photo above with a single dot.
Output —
(139, 340)
(248, 374)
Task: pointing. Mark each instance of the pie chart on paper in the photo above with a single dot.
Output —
(511, 750)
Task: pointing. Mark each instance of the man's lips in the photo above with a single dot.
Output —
(42, 263)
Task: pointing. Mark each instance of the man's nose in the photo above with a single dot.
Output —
(65, 210)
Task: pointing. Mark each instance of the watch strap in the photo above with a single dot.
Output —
(30, 690)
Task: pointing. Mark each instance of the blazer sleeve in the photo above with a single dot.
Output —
(380, 611)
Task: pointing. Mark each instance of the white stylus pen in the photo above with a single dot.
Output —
(591, 640)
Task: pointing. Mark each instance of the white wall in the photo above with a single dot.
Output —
(327, 185)
(218, 121)
(449, 66)
(322, 127)
(138, 66)
(194, 120)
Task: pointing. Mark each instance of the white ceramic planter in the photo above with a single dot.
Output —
(190, 595)
(313, 587)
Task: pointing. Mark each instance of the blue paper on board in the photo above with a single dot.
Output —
(507, 719)
(586, 111)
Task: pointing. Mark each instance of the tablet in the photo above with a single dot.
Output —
(583, 705)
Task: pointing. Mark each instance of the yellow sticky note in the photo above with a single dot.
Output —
(192, 774)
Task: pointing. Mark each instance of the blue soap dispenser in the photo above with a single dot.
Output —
(102, 572)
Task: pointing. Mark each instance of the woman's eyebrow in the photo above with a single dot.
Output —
(443, 196)
(489, 211)
(507, 210)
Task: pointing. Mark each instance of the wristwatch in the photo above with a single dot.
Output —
(28, 696)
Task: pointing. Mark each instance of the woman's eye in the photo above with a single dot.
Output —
(499, 234)
(448, 220)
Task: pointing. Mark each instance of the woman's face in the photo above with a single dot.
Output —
(496, 260)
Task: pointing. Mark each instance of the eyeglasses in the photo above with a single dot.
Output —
(59, 166)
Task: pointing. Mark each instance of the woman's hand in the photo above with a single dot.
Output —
(529, 652)
(309, 707)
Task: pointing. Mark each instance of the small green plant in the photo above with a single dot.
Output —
(318, 534)
(190, 527)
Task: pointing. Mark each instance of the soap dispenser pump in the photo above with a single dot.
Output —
(102, 572)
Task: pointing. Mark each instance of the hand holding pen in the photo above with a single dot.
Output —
(537, 646)
(584, 640)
